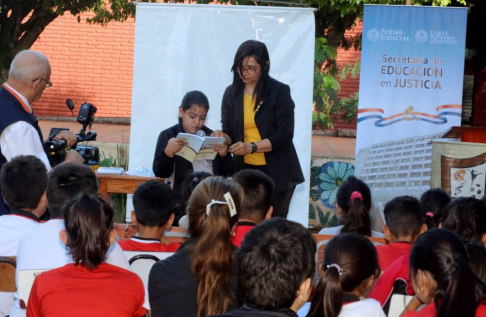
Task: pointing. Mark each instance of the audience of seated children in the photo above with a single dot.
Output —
(257, 206)
(348, 271)
(199, 279)
(87, 287)
(353, 204)
(466, 217)
(42, 248)
(434, 202)
(442, 278)
(154, 204)
(404, 224)
(23, 181)
(275, 268)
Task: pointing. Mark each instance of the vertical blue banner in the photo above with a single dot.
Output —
(411, 84)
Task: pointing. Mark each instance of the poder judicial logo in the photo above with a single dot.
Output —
(387, 35)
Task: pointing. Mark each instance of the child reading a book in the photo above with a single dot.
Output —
(192, 115)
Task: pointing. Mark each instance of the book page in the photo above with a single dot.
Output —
(207, 152)
(189, 151)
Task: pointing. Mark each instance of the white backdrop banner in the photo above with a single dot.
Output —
(182, 47)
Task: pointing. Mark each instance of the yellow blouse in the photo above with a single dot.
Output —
(251, 132)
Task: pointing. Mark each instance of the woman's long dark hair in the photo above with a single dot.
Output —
(212, 257)
(89, 221)
(356, 217)
(259, 51)
(434, 201)
(441, 253)
(358, 260)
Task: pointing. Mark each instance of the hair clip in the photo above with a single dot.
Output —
(429, 214)
(338, 268)
(208, 206)
(356, 194)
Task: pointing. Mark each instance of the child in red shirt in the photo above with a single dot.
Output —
(154, 204)
(404, 224)
(257, 207)
(87, 287)
(443, 279)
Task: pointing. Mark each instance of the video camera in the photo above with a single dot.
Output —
(56, 150)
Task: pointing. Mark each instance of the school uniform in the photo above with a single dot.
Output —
(12, 227)
(387, 254)
(242, 228)
(71, 290)
(355, 308)
(149, 245)
(395, 280)
(430, 311)
(173, 288)
(42, 248)
(248, 311)
(337, 230)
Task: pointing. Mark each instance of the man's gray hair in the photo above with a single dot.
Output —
(28, 64)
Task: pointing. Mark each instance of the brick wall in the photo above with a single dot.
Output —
(90, 63)
(479, 101)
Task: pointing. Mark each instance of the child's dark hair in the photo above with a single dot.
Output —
(212, 251)
(434, 202)
(188, 186)
(477, 259)
(193, 98)
(66, 181)
(356, 217)
(153, 203)
(460, 216)
(258, 189)
(403, 216)
(273, 261)
(23, 181)
(260, 52)
(441, 253)
(89, 221)
(350, 260)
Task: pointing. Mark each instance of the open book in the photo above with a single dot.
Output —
(198, 148)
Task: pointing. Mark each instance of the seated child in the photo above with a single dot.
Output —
(154, 203)
(433, 204)
(275, 267)
(257, 206)
(443, 279)
(42, 248)
(465, 216)
(89, 286)
(348, 271)
(190, 183)
(403, 216)
(23, 181)
(353, 204)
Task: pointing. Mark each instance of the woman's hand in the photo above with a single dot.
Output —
(174, 145)
(240, 148)
(222, 149)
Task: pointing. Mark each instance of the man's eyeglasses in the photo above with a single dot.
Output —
(249, 69)
(48, 83)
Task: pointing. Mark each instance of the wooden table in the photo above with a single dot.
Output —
(120, 184)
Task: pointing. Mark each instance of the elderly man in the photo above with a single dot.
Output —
(20, 134)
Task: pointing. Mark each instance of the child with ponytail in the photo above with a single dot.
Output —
(443, 279)
(353, 204)
(199, 280)
(348, 271)
(87, 287)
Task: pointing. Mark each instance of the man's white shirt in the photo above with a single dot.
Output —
(21, 138)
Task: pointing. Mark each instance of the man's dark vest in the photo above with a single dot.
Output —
(11, 111)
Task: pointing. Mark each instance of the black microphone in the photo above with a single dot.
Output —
(70, 104)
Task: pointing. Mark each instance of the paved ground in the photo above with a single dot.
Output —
(110, 133)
